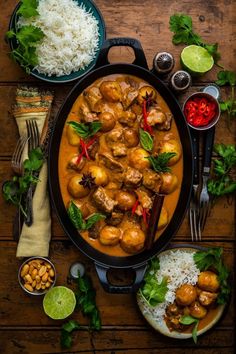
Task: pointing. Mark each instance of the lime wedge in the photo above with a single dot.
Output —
(59, 302)
(196, 60)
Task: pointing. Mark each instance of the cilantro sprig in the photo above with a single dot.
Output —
(222, 182)
(28, 8)
(212, 258)
(14, 190)
(182, 27)
(227, 77)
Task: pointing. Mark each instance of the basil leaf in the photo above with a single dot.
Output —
(194, 332)
(75, 216)
(91, 220)
(187, 320)
(146, 140)
(159, 163)
(85, 130)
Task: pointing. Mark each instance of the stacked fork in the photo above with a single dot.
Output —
(200, 205)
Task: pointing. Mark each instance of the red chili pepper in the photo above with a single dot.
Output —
(146, 126)
(199, 111)
(135, 206)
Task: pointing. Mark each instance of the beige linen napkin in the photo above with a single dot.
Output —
(34, 240)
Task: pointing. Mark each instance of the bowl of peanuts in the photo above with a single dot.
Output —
(37, 275)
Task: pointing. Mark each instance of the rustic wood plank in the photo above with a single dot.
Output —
(149, 24)
(18, 309)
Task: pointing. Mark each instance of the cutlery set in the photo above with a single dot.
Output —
(200, 200)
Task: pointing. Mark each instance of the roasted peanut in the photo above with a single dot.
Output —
(37, 278)
(28, 278)
(24, 270)
(28, 287)
(51, 273)
(38, 286)
(48, 284)
(42, 270)
(31, 268)
(43, 286)
(33, 284)
(45, 277)
(34, 273)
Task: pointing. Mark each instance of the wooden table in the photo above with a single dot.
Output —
(24, 326)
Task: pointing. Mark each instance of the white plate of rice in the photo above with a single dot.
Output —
(178, 266)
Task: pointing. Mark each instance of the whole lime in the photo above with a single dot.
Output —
(196, 60)
(59, 302)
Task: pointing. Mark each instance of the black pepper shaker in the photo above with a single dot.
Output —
(180, 81)
(163, 63)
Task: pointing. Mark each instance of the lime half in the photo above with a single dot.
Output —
(196, 60)
(59, 302)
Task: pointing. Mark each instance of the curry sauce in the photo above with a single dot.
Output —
(117, 165)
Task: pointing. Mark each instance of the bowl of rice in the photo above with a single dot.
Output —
(171, 270)
(73, 32)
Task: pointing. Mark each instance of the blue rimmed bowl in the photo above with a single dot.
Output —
(89, 5)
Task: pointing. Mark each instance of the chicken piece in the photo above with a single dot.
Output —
(206, 298)
(92, 95)
(208, 281)
(111, 163)
(115, 218)
(166, 125)
(132, 240)
(156, 116)
(132, 82)
(74, 165)
(116, 135)
(175, 324)
(172, 309)
(119, 150)
(103, 201)
(144, 199)
(152, 180)
(86, 115)
(111, 91)
(197, 310)
(127, 118)
(132, 177)
(185, 294)
(130, 95)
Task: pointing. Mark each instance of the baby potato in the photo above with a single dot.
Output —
(132, 240)
(108, 121)
(197, 311)
(163, 220)
(100, 175)
(111, 91)
(171, 145)
(131, 137)
(125, 200)
(208, 281)
(75, 188)
(138, 159)
(109, 236)
(186, 294)
(169, 183)
(143, 91)
(72, 136)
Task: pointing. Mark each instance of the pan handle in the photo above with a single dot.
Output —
(102, 271)
(140, 58)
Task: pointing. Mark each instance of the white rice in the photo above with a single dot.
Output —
(71, 36)
(179, 268)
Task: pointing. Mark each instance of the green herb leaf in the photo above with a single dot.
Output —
(28, 8)
(70, 326)
(160, 163)
(226, 77)
(181, 26)
(35, 160)
(146, 140)
(187, 320)
(86, 130)
(194, 332)
(212, 258)
(75, 216)
(91, 220)
(10, 34)
(66, 339)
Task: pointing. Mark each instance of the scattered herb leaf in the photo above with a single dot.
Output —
(15, 189)
(212, 258)
(66, 331)
(160, 162)
(76, 217)
(182, 27)
(222, 183)
(86, 130)
(146, 140)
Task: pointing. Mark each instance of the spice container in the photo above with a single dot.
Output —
(180, 81)
(201, 110)
(37, 275)
(163, 63)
